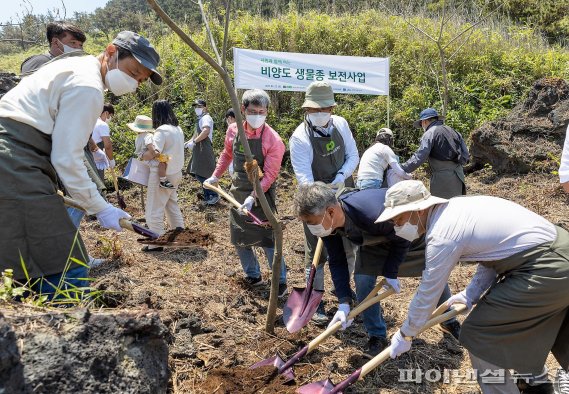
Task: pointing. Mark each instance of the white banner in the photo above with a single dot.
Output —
(295, 71)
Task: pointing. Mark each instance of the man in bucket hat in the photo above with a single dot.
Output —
(322, 148)
(519, 289)
(45, 122)
(446, 152)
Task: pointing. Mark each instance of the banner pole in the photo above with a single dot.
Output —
(388, 108)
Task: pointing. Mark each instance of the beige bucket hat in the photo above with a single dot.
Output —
(406, 196)
(141, 124)
(319, 94)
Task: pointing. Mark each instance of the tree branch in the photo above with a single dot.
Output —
(225, 33)
(209, 35)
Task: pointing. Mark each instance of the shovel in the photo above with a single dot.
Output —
(286, 368)
(120, 198)
(137, 228)
(327, 387)
(303, 302)
(230, 198)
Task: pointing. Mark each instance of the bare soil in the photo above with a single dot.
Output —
(181, 238)
(217, 322)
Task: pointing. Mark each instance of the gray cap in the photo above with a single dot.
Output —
(141, 50)
(319, 94)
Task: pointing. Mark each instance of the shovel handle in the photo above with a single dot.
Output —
(232, 200)
(317, 253)
(115, 181)
(384, 355)
(369, 301)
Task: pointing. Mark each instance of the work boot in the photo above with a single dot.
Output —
(561, 384)
(282, 290)
(374, 346)
(451, 327)
(319, 317)
(254, 282)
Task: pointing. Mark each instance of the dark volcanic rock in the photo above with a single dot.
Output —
(82, 352)
(7, 82)
(531, 137)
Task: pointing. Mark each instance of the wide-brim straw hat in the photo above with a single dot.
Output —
(141, 124)
(319, 94)
(407, 196)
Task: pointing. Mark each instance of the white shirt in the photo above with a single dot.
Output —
(207, 121)
(564, 167)
(475, 228)
(375, 160)
(169, 140)
(101, 130)
(301, 152)
(63, 99)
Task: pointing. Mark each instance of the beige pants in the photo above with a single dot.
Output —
(160, 202)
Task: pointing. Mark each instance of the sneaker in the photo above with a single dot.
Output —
(319, 317)
(561, 385)
(543, 388)
(451, 327)
(167, 184)
(254, 282)
(150, 249)
(282, 290)
(212, 200)
(94, 263)
(375, 346)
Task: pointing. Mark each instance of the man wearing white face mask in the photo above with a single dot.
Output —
(519, 289)
(62, 38)
(45, 123)
(268, 149)
(202, 162)
(322, 148)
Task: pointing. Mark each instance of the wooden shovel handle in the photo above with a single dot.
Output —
(369, 301)
(115, 181)
(232, 200)
(384, 355)
(317, 253)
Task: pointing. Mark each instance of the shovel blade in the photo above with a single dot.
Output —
(321, 387)
(278, 362)
(299, 308)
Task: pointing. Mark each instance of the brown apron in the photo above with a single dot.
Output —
(524, 314)
(243, 232)
(447, 178)
(328, 157)
(202, 162)
(36, 228)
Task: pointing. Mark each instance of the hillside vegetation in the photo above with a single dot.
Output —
(489, 74)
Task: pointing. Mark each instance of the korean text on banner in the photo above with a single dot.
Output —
(288, 71)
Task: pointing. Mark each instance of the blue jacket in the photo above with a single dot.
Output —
(361, 209)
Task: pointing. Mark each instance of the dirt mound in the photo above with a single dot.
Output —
(531, 137)
(80, 351)
(7, 82)
(185, 237)
(245, 381)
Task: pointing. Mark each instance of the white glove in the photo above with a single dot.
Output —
(460, 298)
(112, 163)
(109, 217)
(394, 284)
(101, 160)
(190, 144)
(399, 345)
(342, 316)
(247, 204)
(338, 181)
(212, 180)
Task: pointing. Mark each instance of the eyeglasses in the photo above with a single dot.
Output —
(261, 112)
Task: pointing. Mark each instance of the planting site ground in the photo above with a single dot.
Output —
(217, 323)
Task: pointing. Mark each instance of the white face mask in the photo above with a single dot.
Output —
(318, 230)
(68, 49)
(119, 82)
(256, 121)
(108, 120)
(199, 111)
(319, 119)
(408, 231)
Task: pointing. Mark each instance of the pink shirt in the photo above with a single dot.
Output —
(273, 150)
